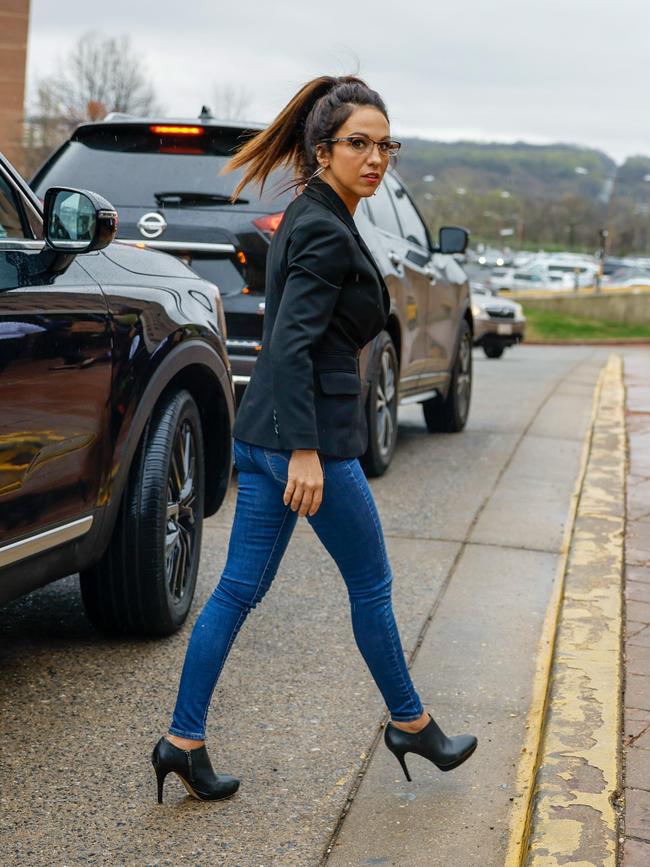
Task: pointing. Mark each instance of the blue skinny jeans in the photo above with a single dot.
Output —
(347, 523)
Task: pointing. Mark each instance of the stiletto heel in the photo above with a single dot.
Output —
(194, 770)
(402, 761)
(160, 779)
(430, 743)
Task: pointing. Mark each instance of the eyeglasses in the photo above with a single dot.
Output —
(361, 144)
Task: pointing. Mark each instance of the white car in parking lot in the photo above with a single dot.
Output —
(534, 276)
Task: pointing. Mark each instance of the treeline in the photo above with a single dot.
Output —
(531, 196)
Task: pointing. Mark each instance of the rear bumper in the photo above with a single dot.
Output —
(242, 363)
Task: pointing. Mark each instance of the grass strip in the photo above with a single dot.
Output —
(547, 325)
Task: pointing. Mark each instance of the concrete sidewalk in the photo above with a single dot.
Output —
(636, 732)
(567, 799)
(480, 660)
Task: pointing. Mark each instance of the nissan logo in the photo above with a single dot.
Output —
(152, 225)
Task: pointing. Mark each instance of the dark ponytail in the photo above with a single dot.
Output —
(315, 113)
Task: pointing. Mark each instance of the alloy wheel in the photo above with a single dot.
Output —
(464, 376)
(385, 406)
(181, 502)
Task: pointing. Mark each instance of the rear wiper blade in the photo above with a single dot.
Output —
(196, 198)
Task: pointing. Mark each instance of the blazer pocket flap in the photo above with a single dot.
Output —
(339, 382)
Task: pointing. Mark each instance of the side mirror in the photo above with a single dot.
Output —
(77, 221)
(452, 239)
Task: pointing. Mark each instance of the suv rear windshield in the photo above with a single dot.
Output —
(130, 163)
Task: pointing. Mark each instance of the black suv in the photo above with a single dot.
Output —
(163, 176)
(116, 408)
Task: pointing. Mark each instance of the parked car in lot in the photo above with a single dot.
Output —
(498, 322)
(534, 276)
(163, 177)
(116, 408)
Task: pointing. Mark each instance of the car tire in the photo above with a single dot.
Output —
(381, 408)
(451, 412)
(493, 350)
(145, 581)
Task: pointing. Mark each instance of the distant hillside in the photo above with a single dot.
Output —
(633, 179)
(552, 196)
(547, 171)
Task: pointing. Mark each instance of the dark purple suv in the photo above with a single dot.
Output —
(116, 409)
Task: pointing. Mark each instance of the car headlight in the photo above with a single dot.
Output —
(477, 311)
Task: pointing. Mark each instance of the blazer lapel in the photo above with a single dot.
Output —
(323, 192)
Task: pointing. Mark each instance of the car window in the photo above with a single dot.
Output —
(382, 211)
(11, 224)
(531, 278)
(133, 166)
(412, 226)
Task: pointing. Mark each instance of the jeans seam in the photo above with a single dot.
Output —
(370, 510)
(244, 613)
(270, 466)
(410, 690)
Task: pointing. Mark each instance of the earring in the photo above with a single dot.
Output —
(319, 171)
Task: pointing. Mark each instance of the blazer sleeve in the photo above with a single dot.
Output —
(318, 260)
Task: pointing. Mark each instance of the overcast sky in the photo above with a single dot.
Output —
(543, 71)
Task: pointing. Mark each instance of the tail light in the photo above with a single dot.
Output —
(170, 129)
(269, 223)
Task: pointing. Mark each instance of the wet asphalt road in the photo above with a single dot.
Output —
(473, 524)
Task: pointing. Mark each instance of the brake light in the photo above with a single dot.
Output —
(163, 129)
(269, 223)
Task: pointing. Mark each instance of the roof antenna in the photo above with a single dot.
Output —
(206, 113)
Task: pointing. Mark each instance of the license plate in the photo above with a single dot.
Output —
(504, 328)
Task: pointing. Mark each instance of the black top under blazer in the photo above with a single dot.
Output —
(325, 299)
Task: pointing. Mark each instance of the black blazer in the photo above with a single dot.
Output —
(325, 299)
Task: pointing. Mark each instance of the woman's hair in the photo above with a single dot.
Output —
(315, 113)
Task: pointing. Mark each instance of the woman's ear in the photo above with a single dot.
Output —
(322, 157)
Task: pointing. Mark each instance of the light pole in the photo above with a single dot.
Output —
(602, 233)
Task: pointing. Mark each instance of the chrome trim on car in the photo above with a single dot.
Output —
(431, 390)
(241, 343)
(21, 244)
(43, 541)
(238, 379)
(199, 247)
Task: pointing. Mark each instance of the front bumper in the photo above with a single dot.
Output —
(504, 332)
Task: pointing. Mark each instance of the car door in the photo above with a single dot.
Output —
(436, 297)
(55, 381)
(410, 304)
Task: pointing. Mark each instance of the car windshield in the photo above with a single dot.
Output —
(132, 165)
(568, 269)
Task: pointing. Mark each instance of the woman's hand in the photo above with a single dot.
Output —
(304, 490)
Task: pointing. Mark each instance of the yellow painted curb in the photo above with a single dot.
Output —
(568, 775)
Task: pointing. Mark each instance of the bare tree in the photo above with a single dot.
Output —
(231, 102)
(101, 74)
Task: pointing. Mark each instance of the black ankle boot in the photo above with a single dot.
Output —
(431, 743)
(195, 772)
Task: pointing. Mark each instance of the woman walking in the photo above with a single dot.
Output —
(301, 425)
